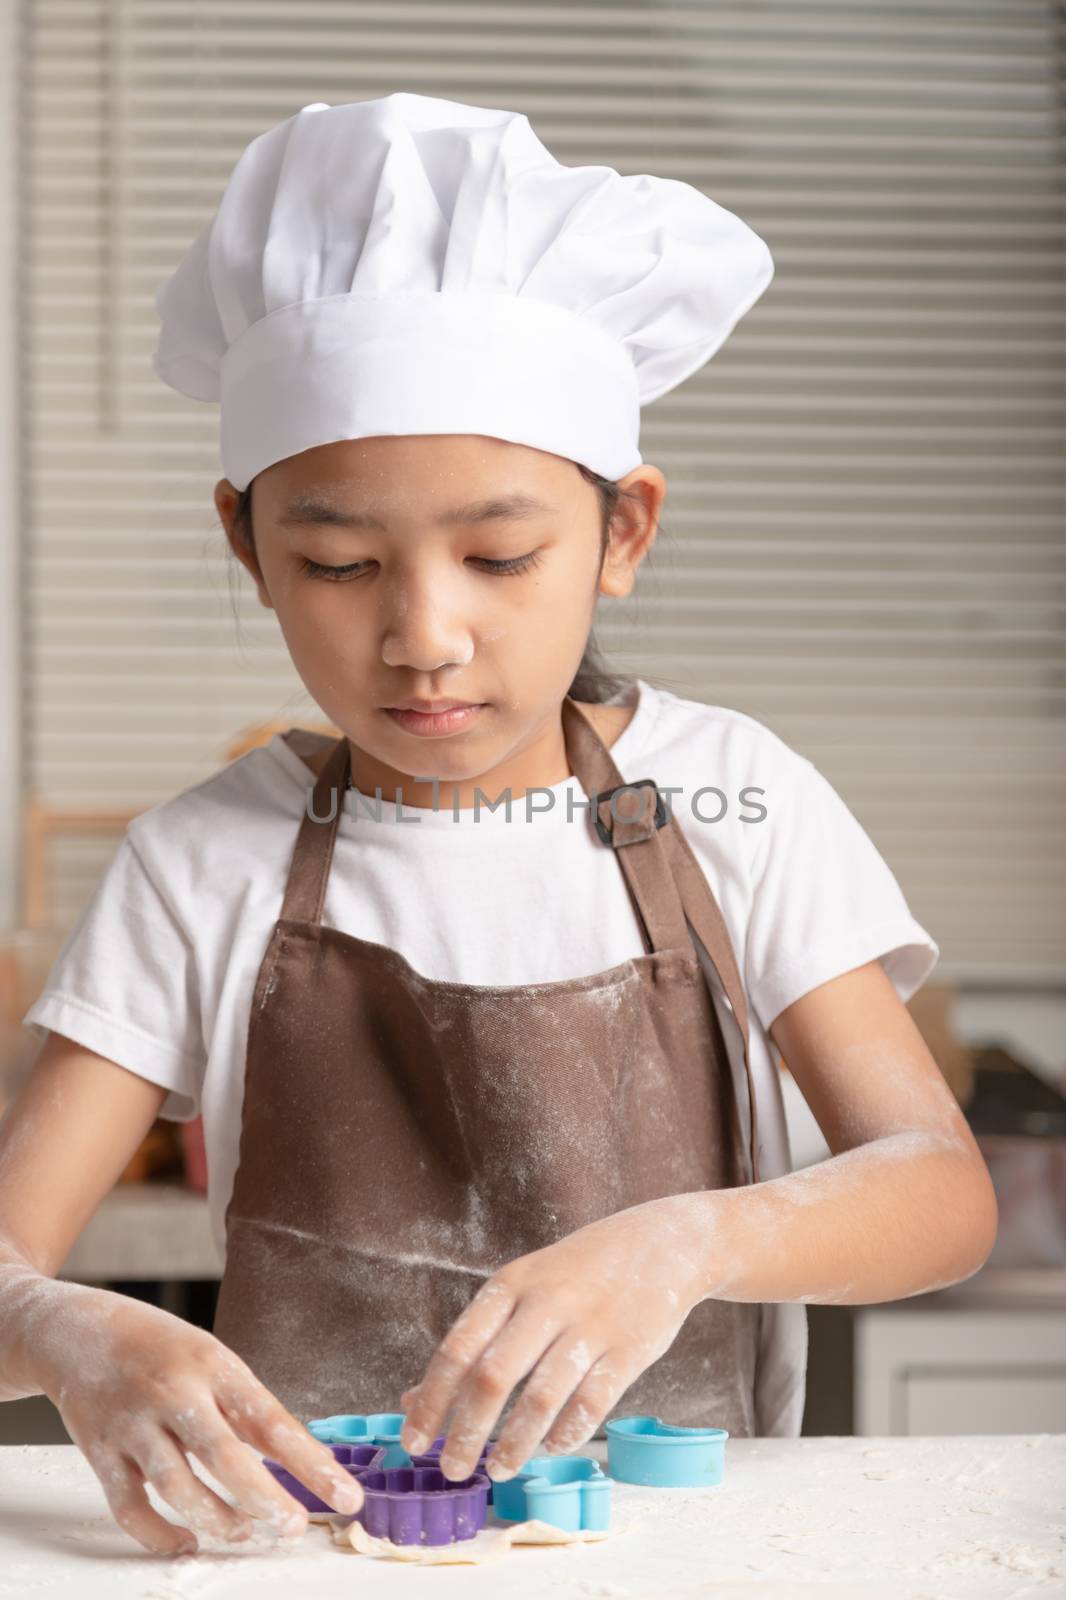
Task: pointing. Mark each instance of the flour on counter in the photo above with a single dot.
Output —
(971, 1518)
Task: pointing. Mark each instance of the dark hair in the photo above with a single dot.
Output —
(593, 682)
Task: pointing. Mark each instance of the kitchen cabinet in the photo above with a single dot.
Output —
(985, 1357)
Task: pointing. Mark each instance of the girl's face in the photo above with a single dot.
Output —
(436, 567)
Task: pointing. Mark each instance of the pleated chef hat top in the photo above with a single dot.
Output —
(415, 265)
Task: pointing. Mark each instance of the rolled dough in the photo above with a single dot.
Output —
(491, 1544)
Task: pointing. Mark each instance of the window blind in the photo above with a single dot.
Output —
(862, 542)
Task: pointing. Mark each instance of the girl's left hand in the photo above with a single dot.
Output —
(588, 1314)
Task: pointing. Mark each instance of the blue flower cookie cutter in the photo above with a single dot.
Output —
(662, 1455)
(570, 1492)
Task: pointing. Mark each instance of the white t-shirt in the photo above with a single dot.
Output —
(158, 972)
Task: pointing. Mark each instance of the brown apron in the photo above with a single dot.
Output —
(402, 1138)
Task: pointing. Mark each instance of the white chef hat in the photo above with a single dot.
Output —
(412, 265)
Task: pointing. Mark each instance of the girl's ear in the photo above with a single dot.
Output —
(227, 499)
(633, 528)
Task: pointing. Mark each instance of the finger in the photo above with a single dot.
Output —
(603, 1385)
(550, 1385)
(484, 1392)
(163, 1464)
(453, 1358)
(128, 1503)
(208, 1435)
(260, 1419)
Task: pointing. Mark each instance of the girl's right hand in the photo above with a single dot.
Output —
(138, 1388)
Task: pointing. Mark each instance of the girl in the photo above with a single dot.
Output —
(477, 997)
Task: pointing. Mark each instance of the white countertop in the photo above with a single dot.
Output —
(898, 1518)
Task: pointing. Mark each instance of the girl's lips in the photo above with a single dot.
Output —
(432, 724)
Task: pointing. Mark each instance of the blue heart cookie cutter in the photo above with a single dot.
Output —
(570, 1492)
(662, 1455)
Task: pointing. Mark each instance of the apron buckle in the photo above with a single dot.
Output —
(607, 834)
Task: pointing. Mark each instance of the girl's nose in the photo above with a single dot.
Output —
(424, 633)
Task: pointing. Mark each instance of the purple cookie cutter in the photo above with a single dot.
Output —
(419, 1505)
(356, 1457)
(431, 1458)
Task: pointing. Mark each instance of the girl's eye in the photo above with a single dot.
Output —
(516, 564)
(315, 569)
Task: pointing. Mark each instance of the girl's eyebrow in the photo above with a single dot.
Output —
(308, 509)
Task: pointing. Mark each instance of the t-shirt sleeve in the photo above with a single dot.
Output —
(824, 900)
(125, 985)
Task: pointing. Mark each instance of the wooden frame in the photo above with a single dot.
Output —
(42, 823)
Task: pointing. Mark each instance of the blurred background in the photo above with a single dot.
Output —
(862, 543)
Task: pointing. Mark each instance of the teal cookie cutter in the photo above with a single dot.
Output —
(373, 1427)
(662, 1455)
(570, 1492)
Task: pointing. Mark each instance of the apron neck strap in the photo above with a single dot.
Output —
(664, 878)
(305, 890)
